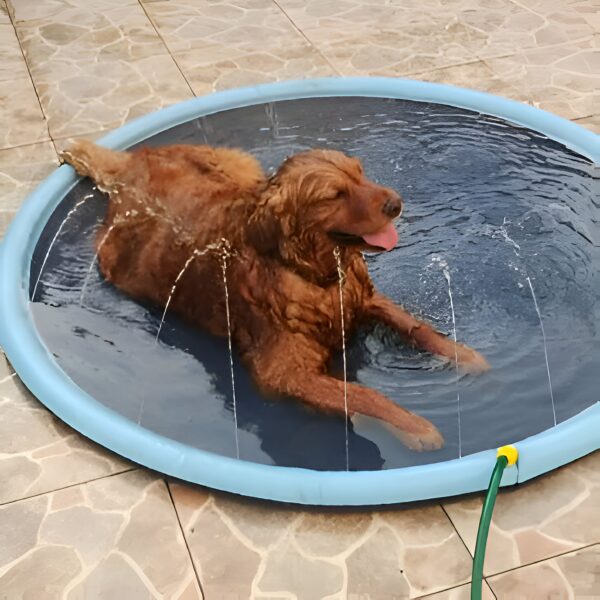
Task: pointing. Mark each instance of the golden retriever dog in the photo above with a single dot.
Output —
(283, 234)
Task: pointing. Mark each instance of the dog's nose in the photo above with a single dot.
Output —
(392, 207)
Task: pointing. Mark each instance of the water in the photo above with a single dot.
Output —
(465, 178)
(272, 119)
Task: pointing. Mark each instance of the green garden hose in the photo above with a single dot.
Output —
(507, 455)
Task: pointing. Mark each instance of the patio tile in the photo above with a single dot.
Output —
(38, 453)
(29, 10)
(365, 38)
(105, 67)
(569, 16)
(114, 30)
(113, 538)
(476, 75)
(518, 28)
(238, 68)
(220, 45)
(4, 18)
(537, 520)
(190, 24)
(410, 37)
(21, 170)
(12, 63)
(87, 96)
(256, 549)
(561, 79)
(574, 575)
(20, 114)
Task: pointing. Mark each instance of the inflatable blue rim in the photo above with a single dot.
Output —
(42, 375)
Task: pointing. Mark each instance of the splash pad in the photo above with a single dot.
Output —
(497, 247)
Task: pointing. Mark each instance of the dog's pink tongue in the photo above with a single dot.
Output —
(385, 238)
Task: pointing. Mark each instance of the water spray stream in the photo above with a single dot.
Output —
(341, 279)
(225, 255)
(447, 277)
(539, 314)
(98, 249)
(69, 215)
(517, 249)
(195, 254)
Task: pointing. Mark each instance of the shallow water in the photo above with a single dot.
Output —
(495, 203)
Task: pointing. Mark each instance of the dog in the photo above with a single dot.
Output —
(287, 240)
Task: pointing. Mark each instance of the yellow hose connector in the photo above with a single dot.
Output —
(511, 454)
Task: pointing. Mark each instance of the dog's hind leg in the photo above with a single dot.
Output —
(106, 167)
(293, 366)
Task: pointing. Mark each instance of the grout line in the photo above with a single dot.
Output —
(449, 589)
(524, 7)
(433, 594)
(66, 487)
(486, 577)
(580, 119)
(470, 555)
(483, 59)
(455, 529)
(47, 140)
(82, 134)
(442, 68)
(85, 134)
(160, 37)
(56, 152)
(490, 588)
(542, 560)
(523, 50)
(530, 10)
(45, 117)
(309, 41)
(185, 539)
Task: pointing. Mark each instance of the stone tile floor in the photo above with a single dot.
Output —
(78, 522)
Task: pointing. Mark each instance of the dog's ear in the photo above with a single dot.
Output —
(264, 231)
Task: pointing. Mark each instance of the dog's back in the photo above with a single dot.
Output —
(165, 204)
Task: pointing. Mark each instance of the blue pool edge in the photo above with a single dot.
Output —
(42, 375)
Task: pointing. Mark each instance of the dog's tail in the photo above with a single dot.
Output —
(104, 166)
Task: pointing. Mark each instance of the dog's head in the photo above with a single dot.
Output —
(321, 199)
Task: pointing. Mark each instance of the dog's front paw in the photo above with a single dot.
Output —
(422, 441)
(470, 361)
(424, 436)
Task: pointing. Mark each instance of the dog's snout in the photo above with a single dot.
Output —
(392, 207)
